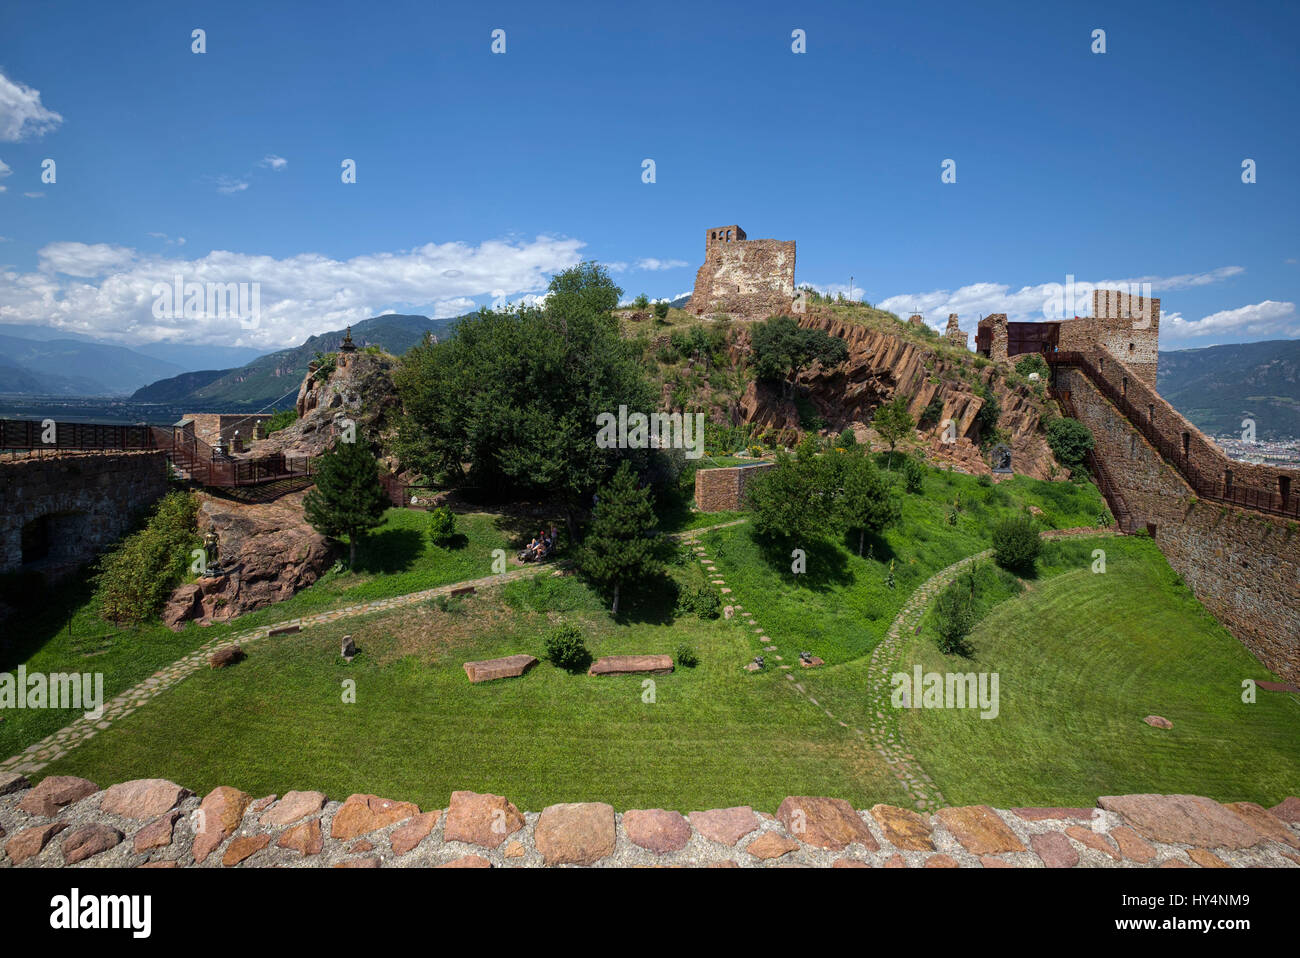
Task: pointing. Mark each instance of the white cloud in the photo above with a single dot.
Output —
(1268, 318)
(5, 169)
(653, 265)
(21, 112)
(1031, 303)
(276, 163)
(107, 291)
(231, 184)
(34, 196)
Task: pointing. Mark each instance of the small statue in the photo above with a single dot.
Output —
(211, 552)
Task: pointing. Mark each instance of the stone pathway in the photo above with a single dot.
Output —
(40, 754)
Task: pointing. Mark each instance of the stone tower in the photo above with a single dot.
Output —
(743, 278)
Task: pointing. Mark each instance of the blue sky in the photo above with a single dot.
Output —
(480, 174)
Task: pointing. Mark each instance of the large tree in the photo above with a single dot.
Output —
(782, 348)
(619, 546)
(866, 500)
(347, 499)
(515, 394)
(791, 501)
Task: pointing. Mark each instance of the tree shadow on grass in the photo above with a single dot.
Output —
(389, 552)
(825, 564)
(874, 546)
(650, 601)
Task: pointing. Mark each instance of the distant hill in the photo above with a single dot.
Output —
(197, 358)
(177, 387)
(1218, 386)
(275, 377)
(85, 368)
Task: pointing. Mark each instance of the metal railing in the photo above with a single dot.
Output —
(1178, 454)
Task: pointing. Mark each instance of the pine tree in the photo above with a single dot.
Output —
(618, 546)
(347, 499)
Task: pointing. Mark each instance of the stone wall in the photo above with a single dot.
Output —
(743, 278)
(211, 427)
(955, 335)
(1243, 565)
(723, 490)
(69, 508)
(154, 823)
(1127, 327)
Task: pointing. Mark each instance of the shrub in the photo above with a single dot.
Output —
(1016, 543)
(642, 302)
(278, 421)
(913, 474)
(135, 579)
(932, 411)
(686, 657)
(1032, 364)
(954, 616)
(1070, 440)
(703, 602)
(442, 526)
(847, 438)
(661, 310)
(566, 650)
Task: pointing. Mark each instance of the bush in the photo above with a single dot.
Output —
(566, 650)
(686, 657)
(278, 421)
(641, 302)
(913, 474)
(442, 526)
(1016, 544)
(847, 438)
(1070, 440)
(1032, 364)
(135, 579)
(661, 310)
(703, 602)
(954, 616)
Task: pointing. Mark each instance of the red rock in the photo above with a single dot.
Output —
(941, 861)
(849, 863)
(1288, 810)
(261, 804)
(771, 845)
(812, 663)
(359, 863)
(304, 837)
(217, 817)
(1052, 814)
(13, 782)
(166, 864)
(467, 861)
(30, 841)
(158, 833)
(244, 846)
(1268, 686)
(825, 822)
(87, 841)
(632, 665)
(1264, 822)
(1206, 858)
(481, 819)
(897, 861)
(1086, 836)
(1054, 849)
(224, 658)
(980, 830)
(656, 829)
(515, 850)
(487, 670)
(55, 791)
(362, 814)
(575, 833)
(414, 832)
(1133, 846)
(725, 825)
(294, 806)
(728, 863)
(1182, 820)
(1158, 721)
(1173, 863)
(903, 828)
(1289, 857)
(143, 798)
(185, 603)
(991, 861)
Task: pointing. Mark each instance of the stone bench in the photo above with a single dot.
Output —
(509, 667)
(632, 664)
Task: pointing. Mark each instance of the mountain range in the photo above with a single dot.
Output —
(1216, 387)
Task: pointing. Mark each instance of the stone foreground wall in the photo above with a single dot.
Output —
(1244, 566)
(154, 823)
(92, 500)
(723, 490)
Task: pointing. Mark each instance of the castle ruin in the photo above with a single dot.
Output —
(743, 278)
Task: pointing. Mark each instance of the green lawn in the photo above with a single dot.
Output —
(65, 633)
(713, 736)
(1082, 658)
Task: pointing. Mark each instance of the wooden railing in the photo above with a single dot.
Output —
(1176, 454)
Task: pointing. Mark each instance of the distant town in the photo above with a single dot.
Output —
(1271, 452)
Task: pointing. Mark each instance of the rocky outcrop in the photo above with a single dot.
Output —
(882, 365)
(270, 550)
(227, 828)
(360, 389)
